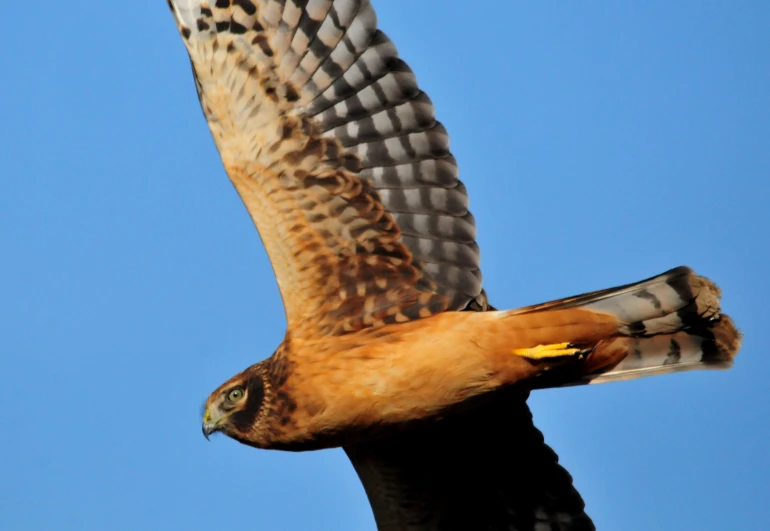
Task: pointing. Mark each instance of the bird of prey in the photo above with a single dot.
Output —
(392, 349)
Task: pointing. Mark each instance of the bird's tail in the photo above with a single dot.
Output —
(668, 323)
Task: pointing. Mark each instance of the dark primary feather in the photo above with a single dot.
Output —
(363, 94)
(352, 82)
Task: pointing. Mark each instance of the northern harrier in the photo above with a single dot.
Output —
(392, 349)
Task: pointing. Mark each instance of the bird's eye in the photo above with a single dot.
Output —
(235, 395)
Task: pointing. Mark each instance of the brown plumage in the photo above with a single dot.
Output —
(347, 175)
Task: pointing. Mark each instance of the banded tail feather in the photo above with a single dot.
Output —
(668, 323)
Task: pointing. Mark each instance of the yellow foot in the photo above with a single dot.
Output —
(556, 350)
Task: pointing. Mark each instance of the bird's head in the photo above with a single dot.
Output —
(237, 407)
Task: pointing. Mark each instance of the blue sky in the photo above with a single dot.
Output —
(601, 143)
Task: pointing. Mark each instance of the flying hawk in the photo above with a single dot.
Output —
(392, 349)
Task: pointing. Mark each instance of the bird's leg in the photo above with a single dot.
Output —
(555, 350)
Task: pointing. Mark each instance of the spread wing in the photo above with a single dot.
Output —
(337, 155)
(485, 469)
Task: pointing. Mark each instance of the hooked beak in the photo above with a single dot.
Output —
(209, 424)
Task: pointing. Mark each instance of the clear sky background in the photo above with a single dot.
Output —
(601, 142)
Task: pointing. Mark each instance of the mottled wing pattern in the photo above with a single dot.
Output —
(486, 469)
(361, 93)
(338, 158)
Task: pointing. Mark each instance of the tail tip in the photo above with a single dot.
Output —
(727, 342)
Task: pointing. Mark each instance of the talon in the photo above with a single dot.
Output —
(556, 350)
